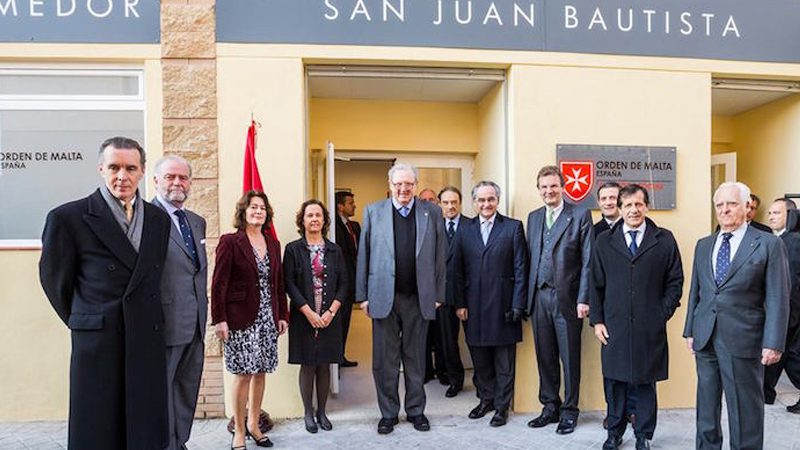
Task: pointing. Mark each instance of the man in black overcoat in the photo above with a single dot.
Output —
(637, 285)
(101, 264)
(348, 232)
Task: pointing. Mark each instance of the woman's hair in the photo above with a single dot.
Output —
(239, 217)
(302, 212)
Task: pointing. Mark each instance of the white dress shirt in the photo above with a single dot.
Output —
(639, 235)
(486, 229)
(736, 239)
(556, 211)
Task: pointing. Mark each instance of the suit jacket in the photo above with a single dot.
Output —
(490, 280)
(345, 242)
(450, 283)
(792, 242)
(183, 287)
(760, 226)
(750, 308)
(235, 294)
(600, 226)
(108, 296)
(634, 296)
(375, 273)
(571, 257)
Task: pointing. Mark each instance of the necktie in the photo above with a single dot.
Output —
(188, 240)
(352, 233)
(633, 247)
(451, 230)
(723, 258)
(128, 210)
(550, 214)
(404, 211)
(486, 228)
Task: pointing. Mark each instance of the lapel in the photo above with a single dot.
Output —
(649, 240)
(562, 223)
(617, 237)
(421, 216)
(148, 249)
(244, 245)
(536, 229)
(174, 232)
(386, 222)
(102, 223)
(749, 244)
(497, 229)
(197, 232)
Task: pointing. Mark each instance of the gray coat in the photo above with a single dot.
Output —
(375, 273)
(183, 290)
(571, 256)
(750, 309)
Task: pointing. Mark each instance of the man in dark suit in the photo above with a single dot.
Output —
(736, 321)
(607, 195)
(490, 264)
(560, 243)
(183, 296)
(778, 219)
(638, 258)
(446, 319)
(101, 264)
(400, 281)
(434, 355)
(348, 232)
(752, 210)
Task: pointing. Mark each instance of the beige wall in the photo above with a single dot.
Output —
(365, 179)
(492, 158)
(722, 134)
(551, 105)
(767, 140)
(273, 91)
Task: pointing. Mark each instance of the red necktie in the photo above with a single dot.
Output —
(352, 235)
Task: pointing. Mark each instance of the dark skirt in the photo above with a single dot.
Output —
(309, 350)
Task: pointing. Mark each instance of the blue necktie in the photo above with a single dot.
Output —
(451, 231)
(404, 211)
(723, 258)
(633, 247)
(188, 240)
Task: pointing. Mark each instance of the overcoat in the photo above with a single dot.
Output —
(490, 280)
(635, 296)
(109, 297)
(306, 346)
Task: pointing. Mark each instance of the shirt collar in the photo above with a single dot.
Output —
(455, 220)
(612, 222)
(397, 204)
(779, 232)
(557, 209)
(168, 206)
(344, 219)
(739, 232)
(641, 228)
(490, 219)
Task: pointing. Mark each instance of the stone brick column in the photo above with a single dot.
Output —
(188, 58)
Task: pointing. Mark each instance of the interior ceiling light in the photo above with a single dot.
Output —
(756, 85)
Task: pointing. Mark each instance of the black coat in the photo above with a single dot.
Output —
(792, 242)
(449, 288)
(109, 296)
(350, 253)
(635, 296)
(490, 280)
(304, 347)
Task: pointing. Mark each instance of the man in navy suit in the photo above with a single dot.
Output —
(736, 321)
(491, 264)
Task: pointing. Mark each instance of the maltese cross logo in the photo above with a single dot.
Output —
(578, 179)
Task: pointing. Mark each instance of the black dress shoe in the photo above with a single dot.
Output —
(612, 443)
(481, 410)
(642, 443)
(347, 363)
(543, 420)
(386, 426)
(324, 422)
(499, 419)
(452, 391)
(311, 425)
(420, 422)
(566, 426)
(795, 409)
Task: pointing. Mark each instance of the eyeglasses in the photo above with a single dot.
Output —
(404, 185)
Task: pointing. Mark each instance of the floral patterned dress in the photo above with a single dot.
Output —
(255, 348)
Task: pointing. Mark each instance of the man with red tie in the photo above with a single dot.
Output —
(347, 234)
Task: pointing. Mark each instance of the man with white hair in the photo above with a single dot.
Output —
(736, 321)
(400, 281)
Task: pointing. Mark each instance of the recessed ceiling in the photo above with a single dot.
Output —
(403, 89)
(730, 102)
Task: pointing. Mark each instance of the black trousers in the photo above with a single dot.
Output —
(790, 361)
(494, 374)
(631, 402)
(645, 409)
(400, 337)
(346, 311)
(557, 341)
(448, 360)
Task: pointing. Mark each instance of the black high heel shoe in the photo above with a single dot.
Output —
(241, 447)
(261, 442)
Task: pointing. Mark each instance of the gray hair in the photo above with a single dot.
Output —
(403, 167)
(174, 158)
(483, 183)
(744, 191)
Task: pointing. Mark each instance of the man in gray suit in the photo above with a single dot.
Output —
(560, 243)
(400, 281)
(736, 322)
(183, 296)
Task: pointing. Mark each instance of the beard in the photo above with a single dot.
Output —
(177, 195)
